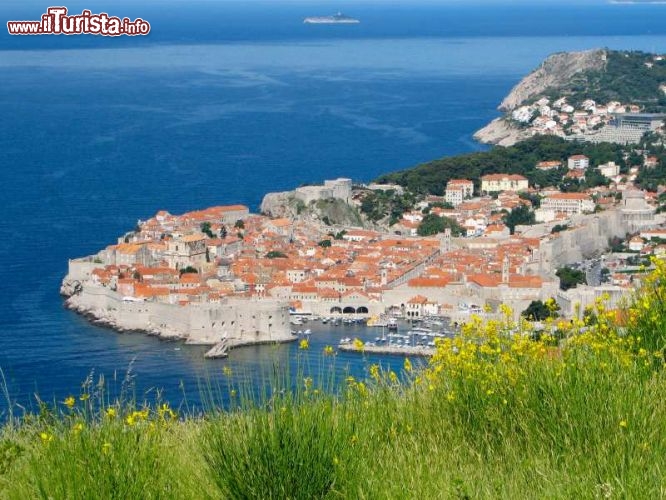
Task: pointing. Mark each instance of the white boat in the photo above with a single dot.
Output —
(338, 18)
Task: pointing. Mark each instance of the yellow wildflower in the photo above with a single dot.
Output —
(69, 402)
(84, 397)
(78, 427)
(166, 413)
(304, 344)
(408, 365)
(393, 377)
(106, 448)
(111, 412)
(227, 371)
(329, 351)
(46, 437)
(358, 344)
(624, 424)
(374, 372)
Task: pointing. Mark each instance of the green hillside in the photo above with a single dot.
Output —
(628, 77)
(431, 177)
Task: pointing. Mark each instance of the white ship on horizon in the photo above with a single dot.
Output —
(338, 18)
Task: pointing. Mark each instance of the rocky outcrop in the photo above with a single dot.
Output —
(329, 211)
(281, 204)
(554, 72)
(500, 132)
(70, 287)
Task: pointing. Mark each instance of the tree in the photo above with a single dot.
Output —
(274, 254)
(521, 215)
(442, 204)
(324, 243)
(616, 244)
(570, 278)
(533, 198)
(239, 224)
(433, 224)
(189, 270)
(539, 311)
(518, 159)
(205, 228)
(536, 311)
(223, 232)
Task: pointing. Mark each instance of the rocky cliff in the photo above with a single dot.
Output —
(556, 71)
(500, 132)
(330, 211)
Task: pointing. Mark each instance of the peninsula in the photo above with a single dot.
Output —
(597, 95)
(547, 220)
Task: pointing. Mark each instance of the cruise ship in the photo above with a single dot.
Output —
(338, 18)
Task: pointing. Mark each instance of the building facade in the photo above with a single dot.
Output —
(568, 203)
(495, 183)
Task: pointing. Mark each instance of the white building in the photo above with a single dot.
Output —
(568, 203)
(495, 183)
(548, 165)
(419, 306)
(578, 161)
(610, 169)
(458, 190)
(636, 244)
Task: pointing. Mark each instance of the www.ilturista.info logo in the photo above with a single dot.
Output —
(57, 22)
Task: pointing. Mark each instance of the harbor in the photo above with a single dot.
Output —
(377, 335)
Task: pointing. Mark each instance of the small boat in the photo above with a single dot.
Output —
(338, 18)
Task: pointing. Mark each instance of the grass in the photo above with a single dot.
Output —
(494, 415)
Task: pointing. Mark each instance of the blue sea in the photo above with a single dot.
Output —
(221, 103)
